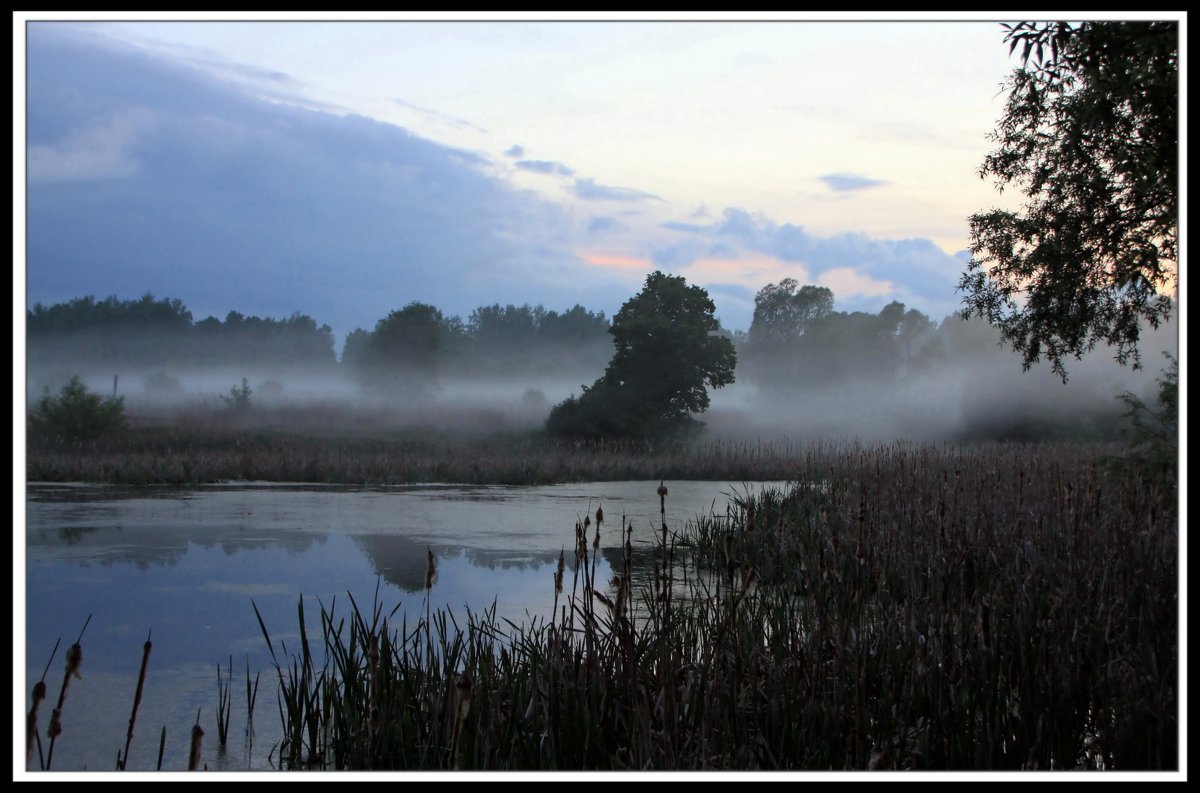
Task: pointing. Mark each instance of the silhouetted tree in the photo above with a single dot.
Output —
(1090, 135)
(355, 347)
(669, 352)
(407, 347)
(782, 312)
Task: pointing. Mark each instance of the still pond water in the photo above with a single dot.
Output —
(186, 564)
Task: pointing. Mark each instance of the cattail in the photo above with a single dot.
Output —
(430, 568)
(558, 573)
(599, 517)
(39, 693)
(373, 664)
(373, 646)
(194, 755)
(74, 661)
(137, 699)
(580, 541)
(462, 689)
(620, 584)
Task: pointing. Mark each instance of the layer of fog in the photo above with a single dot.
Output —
(978, 396)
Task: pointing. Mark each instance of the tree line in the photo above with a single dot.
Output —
(796, 339)
(417, 340)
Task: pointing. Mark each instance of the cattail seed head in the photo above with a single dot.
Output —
(194, 754)
(430, 568)
(74, 660)
(462, 687)
(39, 692)
(599, 517)
(662, 489)
(55, 728)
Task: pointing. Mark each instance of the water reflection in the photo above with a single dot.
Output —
(189, 564)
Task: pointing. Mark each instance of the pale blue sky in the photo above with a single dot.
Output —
(345, 168)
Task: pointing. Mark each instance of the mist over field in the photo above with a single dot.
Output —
(504, 368)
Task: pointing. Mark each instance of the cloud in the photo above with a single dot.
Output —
(602, 224)
(844, 182)
(439, 116)
(99, 150)
(861, 270)
(545, 166)
(147, 175)
(848, 283)
(690, 228)
(588, 190)
(616, 260)
(514, 151)
(252, 72)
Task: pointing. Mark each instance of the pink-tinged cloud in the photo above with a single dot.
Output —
(847, 282)
(752, 271)
(616, 260)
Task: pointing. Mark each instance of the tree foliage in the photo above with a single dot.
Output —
(85, 334)
(669, 350)
(508, 340)
(238, 398)
(797, 340)
(783, 311)
(76, 414)
(405, 351)
(1154, 431)
(1090, 136)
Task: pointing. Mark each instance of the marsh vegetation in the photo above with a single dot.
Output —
(897, 607)
(900, 608)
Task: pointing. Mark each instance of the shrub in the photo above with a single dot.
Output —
(239, 396)
(1153, 452)
(77, 414)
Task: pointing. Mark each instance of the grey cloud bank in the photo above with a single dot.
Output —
(918, 272)
(145, 175)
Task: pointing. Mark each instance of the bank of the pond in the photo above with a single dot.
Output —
(176, 457)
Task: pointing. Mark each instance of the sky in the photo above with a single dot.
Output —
(346, 168)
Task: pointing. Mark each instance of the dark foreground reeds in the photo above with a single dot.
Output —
(897, 608)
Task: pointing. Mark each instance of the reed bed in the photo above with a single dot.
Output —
(160, 456)
(902, 607)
